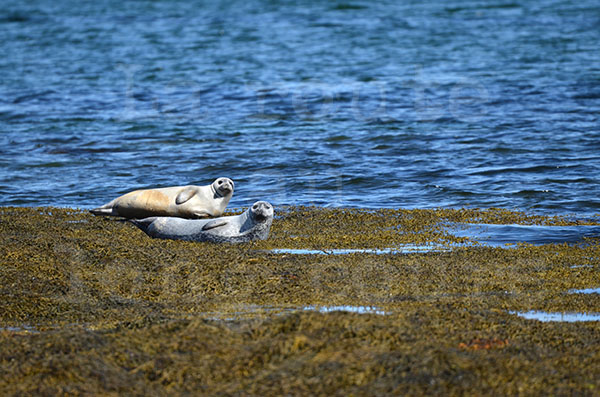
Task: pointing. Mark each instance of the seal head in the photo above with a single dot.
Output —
(261, 211)
(223, 187)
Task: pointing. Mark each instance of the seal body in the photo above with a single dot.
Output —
(253, 224)
(179, 201)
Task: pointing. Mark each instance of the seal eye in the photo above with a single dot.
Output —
(220, 182)
(255, 206)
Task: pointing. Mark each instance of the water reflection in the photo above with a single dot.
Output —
(345, 308)
(585, 291)
(557, 316)
(250, 311)
(405, 249)
(24, 329)
(505, 235)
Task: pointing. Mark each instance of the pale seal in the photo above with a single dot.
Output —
(180, 201)
(254, 224)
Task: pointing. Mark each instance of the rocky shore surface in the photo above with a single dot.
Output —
(94, 306)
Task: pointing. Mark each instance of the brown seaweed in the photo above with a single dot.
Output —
(93, 306)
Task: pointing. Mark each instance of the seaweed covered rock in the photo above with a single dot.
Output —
(92, 306)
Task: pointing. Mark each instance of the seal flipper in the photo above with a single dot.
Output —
(143, 224)
(214, 224)
(186, 194)
(106, 209)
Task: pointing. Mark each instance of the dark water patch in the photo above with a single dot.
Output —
(32, 96)
(584, 180)
(14, 17)
(348, 6)
(25, 15)
(52, 164)
(479, 6)
(540, 169)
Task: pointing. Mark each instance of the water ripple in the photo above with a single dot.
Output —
(391, 104)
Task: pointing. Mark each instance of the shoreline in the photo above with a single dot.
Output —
(92, 305)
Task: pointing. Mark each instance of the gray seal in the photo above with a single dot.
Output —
(180, 201)
(253, 224)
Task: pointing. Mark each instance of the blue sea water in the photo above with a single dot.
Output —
(398, 104)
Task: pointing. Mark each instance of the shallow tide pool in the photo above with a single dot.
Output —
(556, 316)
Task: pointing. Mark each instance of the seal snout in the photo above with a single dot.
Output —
(224, 186)
(261, 211)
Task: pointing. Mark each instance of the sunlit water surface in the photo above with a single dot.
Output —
(338, 103)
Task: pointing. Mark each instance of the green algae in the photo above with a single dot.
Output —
(93, 306)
